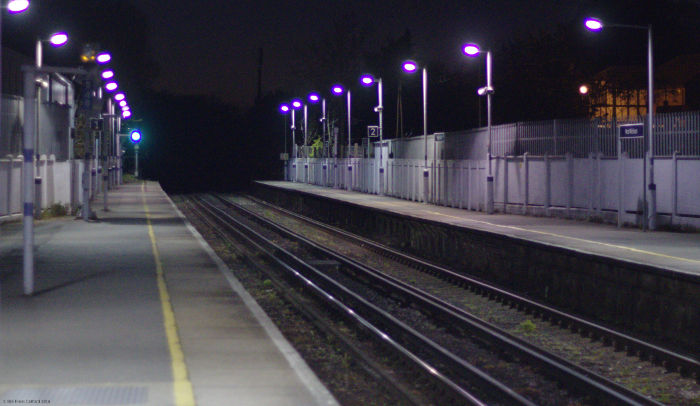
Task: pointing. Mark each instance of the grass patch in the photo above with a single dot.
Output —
(129, 178)
(527, 326)
(55, 210)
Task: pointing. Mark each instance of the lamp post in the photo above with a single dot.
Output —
(473, 50)
(28, 133)
(338, 90)
(296, 105)
(411, 67)
(314, 98)
(369, 80)
(649, 218)
(284, 110)
(56, 40)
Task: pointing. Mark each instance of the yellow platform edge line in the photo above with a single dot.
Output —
(182, 387)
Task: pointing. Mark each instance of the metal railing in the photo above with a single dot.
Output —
(673, 132)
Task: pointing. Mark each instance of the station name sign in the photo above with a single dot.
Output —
(631, 130)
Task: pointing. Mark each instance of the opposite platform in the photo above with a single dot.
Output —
(136, 309)
(677, 252)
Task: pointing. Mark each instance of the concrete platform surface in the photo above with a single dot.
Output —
(671, 251)
(136, 309)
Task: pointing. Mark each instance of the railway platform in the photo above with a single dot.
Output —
(136, 309)
(672, 251)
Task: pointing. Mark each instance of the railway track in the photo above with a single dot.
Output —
(454, 373)
(672, 361)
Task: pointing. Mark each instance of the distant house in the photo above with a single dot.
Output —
(620, 92)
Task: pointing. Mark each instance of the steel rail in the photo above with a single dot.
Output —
(585, 381)
(331, 292)
(671, 360)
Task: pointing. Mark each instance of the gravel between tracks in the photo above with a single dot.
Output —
(641, 376)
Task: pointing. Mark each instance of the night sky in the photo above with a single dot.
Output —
(190, 67)
(214, 49)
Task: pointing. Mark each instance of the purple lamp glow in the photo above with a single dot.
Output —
(111, 86)
(284, 108)
(119, 96)
(367, 80)
(337, 89)
(17, 6)
(108, 74)
(103, 57)
(296, 104)
(410, 66)
(593, 24)
(122, 103)
(126, 108)
(59, 39)
(314, 97)
(471, 50)
(126, 114)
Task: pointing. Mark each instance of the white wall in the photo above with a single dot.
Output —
(60, 183)
(577, 187)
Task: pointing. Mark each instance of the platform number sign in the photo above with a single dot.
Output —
(135, 136)
(372, 131)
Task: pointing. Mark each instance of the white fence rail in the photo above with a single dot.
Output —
(60, 183)
(596, 187)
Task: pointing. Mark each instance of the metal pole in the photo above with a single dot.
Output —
(136, 152)
(37, 139)
(324, 126)
(425, 136)
(349, 144)
(105, 155)
(650, 114)
(28, 180)
(306, 126)
(425, 115)
(294, 146)
(489, 177)
(294, 142)
(119, 150)
(380, 109)
(305, 150)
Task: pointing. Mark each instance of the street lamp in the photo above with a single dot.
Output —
(369, 80)
(595, 25)
(411, 67)
(103, 58)
(108, 74)
(119, 96)
(295, 105)
(473, 50)
(111, 86)
(57, 39)
(284, 109)
(17, 6)
(338, 90)
(312, 97)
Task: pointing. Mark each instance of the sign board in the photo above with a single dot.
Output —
(631, 130)
(372, 131)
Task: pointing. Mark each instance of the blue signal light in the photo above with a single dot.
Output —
(135, 136)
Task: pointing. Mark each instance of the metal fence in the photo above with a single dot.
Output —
(673, 132)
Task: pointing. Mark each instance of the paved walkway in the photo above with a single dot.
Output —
(136, 309)
(671, 251)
